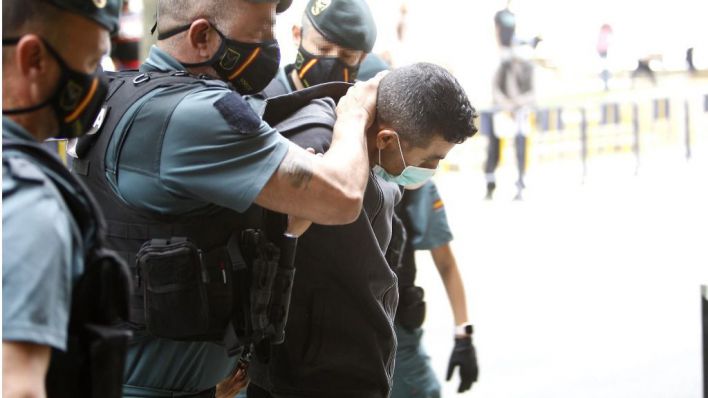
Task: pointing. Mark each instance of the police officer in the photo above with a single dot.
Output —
(333, 39)
(51, 53)
(423, 215)
(174, 163)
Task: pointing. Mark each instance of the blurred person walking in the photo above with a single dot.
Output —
(513, 96)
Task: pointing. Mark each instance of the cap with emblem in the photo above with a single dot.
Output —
(103, 12)
(347, 23)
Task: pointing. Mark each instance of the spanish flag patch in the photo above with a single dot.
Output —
(438, 204)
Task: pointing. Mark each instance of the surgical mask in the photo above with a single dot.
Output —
(411, 177)
(313, 69)
(76, 101)
(249, 67)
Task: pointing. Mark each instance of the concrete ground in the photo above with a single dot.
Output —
(583, 289)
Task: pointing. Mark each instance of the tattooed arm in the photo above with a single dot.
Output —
(328, 189)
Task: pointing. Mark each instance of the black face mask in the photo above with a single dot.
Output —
(76, 100)
(248, 66)
(313, 69)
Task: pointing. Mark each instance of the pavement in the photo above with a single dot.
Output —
(583, 289)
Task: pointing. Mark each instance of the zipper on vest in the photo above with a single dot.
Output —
(223, 271)
(202, 266)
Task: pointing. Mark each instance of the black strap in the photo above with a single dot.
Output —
(171, 32)
(280, 107)
(128, 87)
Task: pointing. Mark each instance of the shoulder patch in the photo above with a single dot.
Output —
(238, 114)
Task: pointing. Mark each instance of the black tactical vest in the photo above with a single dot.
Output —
(411, 305)
(201, 277)
(92, 365)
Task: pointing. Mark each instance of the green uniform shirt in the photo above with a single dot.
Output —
(215, 150)
(426, 211)
(42, 254)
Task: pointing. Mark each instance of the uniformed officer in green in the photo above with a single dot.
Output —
(422, 212)
(51, 52)
(333, 39)
(183, 155)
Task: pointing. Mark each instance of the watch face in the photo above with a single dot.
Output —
(468, 330)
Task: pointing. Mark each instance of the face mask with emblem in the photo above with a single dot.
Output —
(313, 69)
(248, 66)
(76, 101)
(411, 177)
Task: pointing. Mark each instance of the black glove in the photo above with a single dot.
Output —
(464, 356)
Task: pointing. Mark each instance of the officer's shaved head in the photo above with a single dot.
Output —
(171, 13)
(23, 16)
(423, 100)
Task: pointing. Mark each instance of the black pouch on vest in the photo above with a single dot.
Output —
(263, 271)
(282, 289)
(173, 277)
(411, 307)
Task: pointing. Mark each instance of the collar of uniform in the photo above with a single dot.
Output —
(159, 59)
(10, 129)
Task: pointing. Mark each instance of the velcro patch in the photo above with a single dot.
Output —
(238, 114)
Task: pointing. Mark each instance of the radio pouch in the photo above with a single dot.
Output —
(173, 278)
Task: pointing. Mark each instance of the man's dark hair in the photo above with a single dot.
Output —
(423, 100)
(21, 16)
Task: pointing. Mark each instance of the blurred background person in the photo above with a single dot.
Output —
(604, 38)
(513, 94)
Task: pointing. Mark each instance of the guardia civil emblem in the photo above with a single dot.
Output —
(230, 59)
(71, 96)
(100, 3)
(299, 60)
(320, 6)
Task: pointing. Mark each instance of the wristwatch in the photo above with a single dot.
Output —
(464, 330)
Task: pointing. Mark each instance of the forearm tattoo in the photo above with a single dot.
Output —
(298, 170)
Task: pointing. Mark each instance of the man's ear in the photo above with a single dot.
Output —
(297, 35)
(198, 34)
(385, 137)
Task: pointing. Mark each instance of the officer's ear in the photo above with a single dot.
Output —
(202, 38)
(386, 137)
(31, 57)
(297, 35)
(36, 65)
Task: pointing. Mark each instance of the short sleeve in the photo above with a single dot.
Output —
(428, 211)
(40, 263)
(218, 150)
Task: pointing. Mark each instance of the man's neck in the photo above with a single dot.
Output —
(371, 148)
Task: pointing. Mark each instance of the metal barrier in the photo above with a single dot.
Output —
(670, 125)
(704, 316)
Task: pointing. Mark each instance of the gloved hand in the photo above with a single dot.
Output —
(464, 356)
